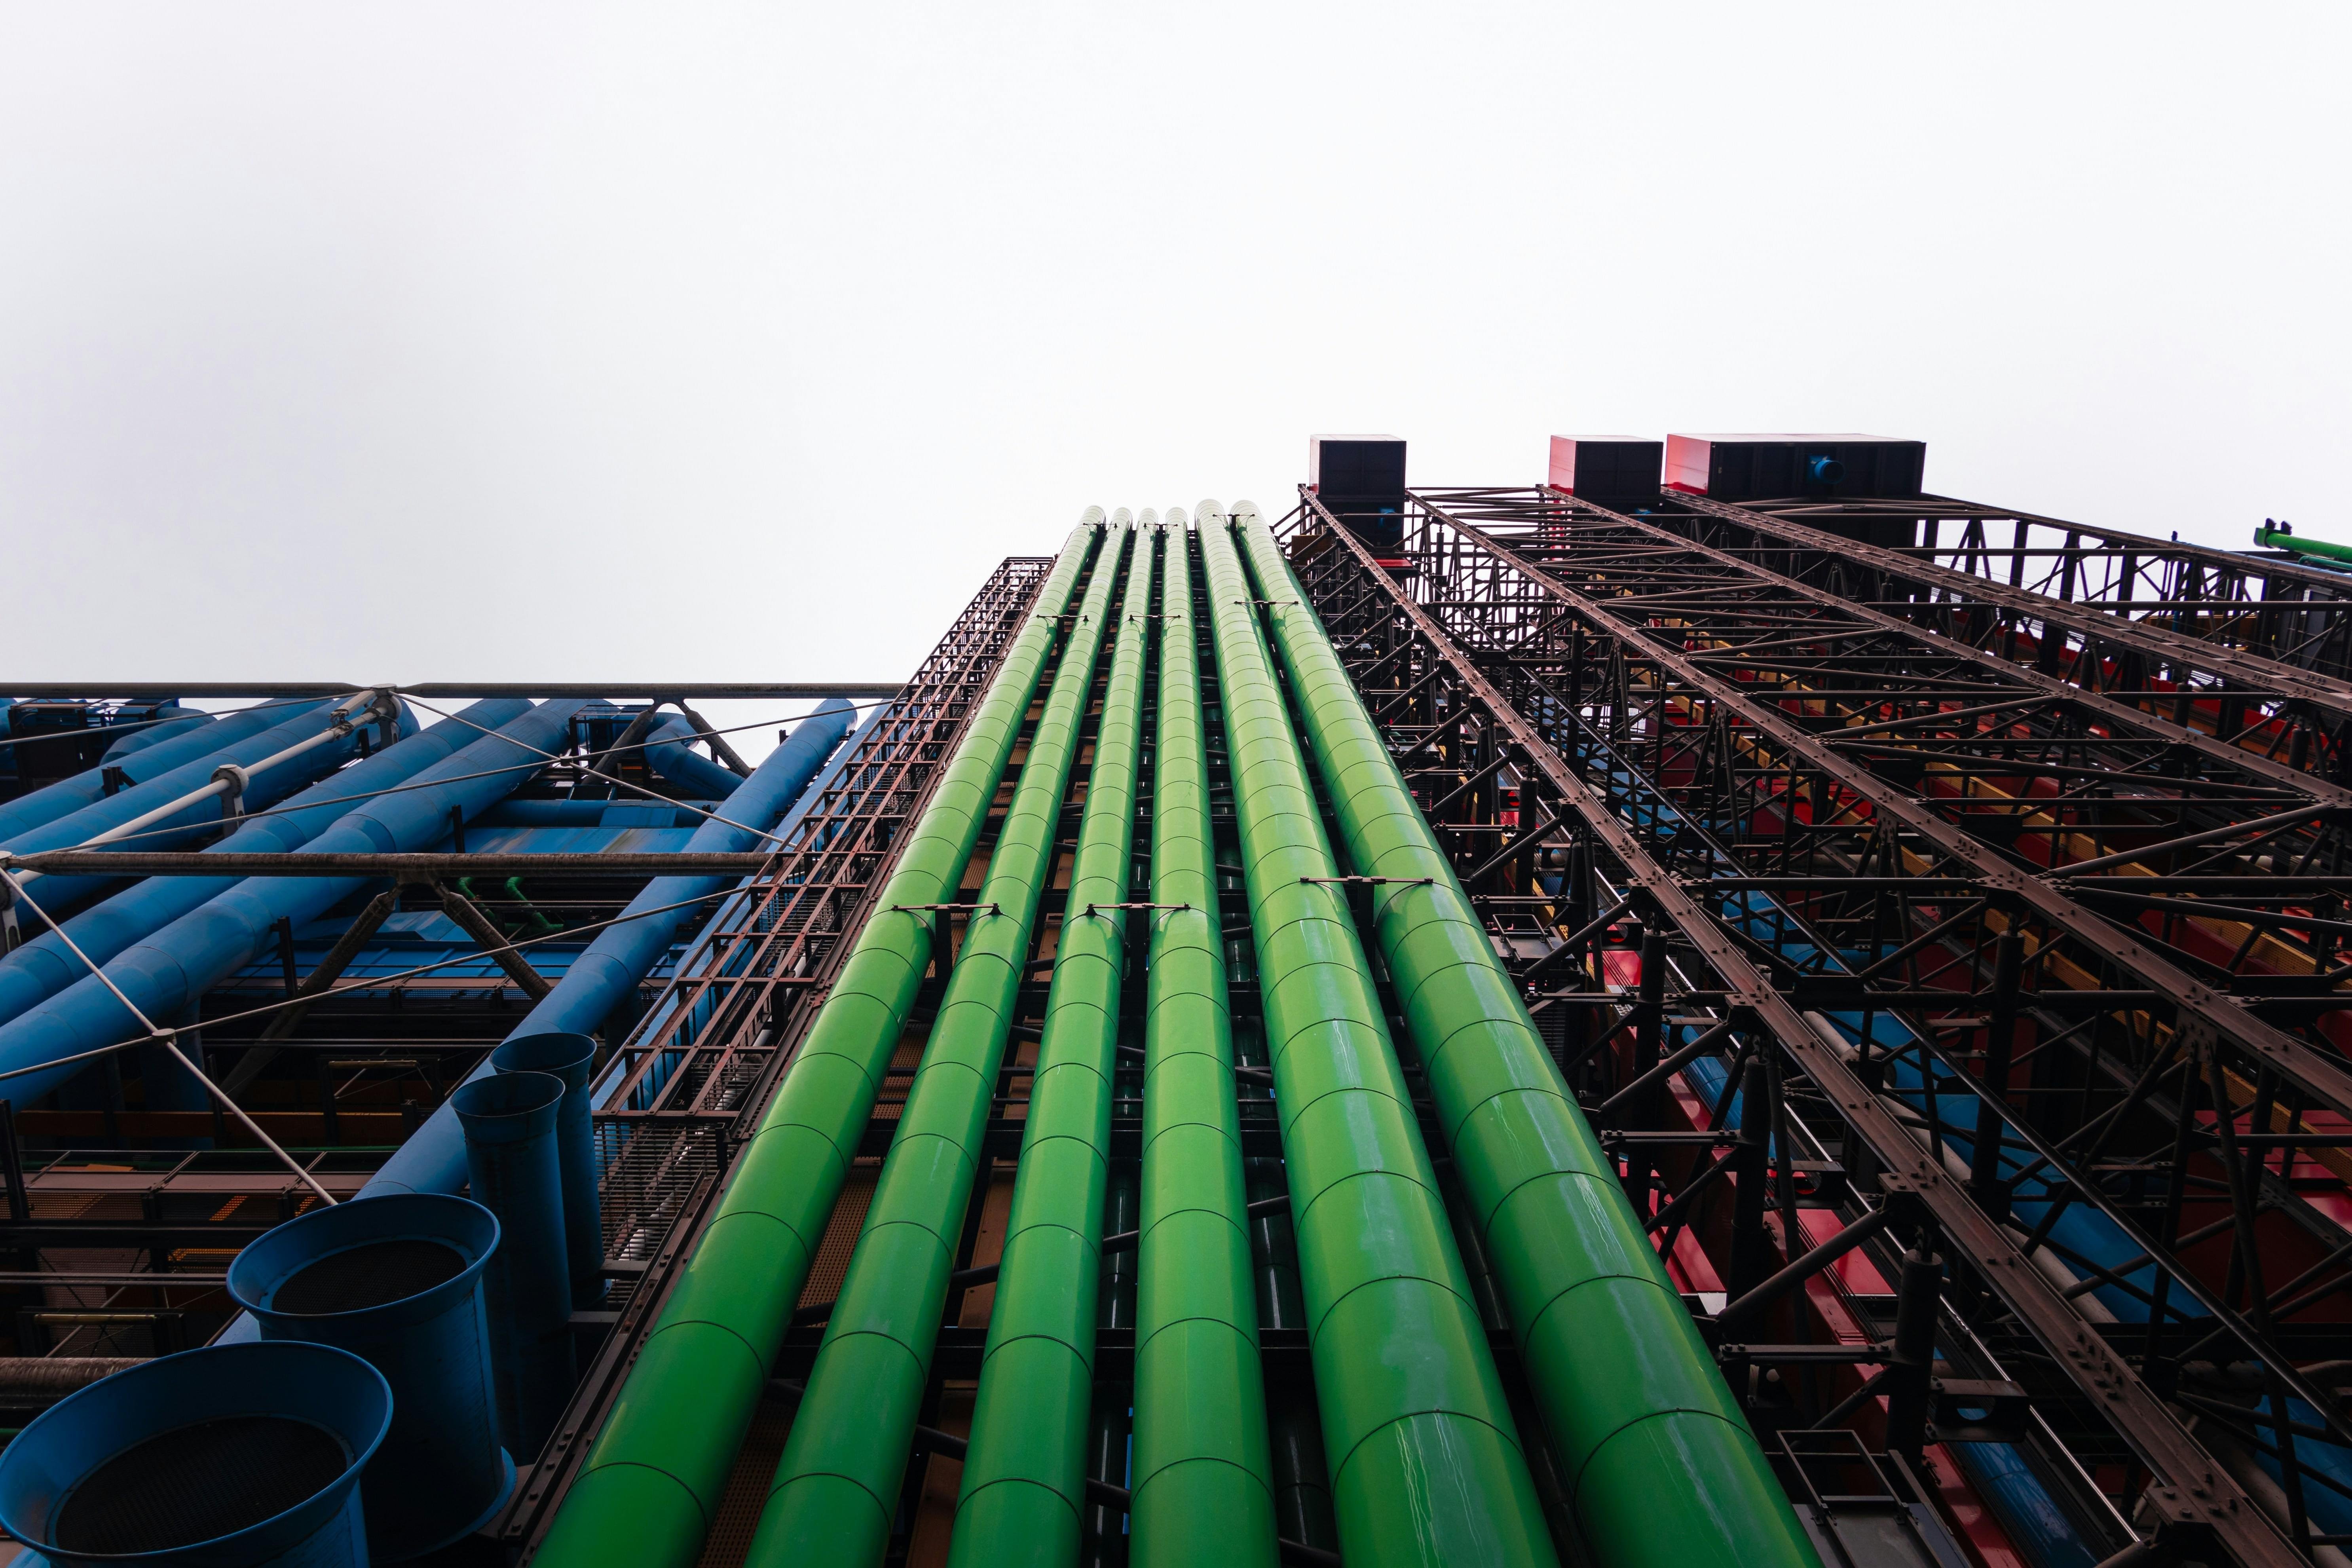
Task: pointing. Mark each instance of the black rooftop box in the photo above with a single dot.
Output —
(1778, 467)
(1361, 478)
(1606, 469)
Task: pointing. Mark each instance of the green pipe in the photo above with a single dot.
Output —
(1024, 1472)
(1661, 1466)
(1425, 1460)
(836, 1488)
(651, 1484)
(1204, 1480)
(2270, 538)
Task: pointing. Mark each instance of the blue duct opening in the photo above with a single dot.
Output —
(397, 1280)
(233, 1456)
(570, 1057)
(514, 1171)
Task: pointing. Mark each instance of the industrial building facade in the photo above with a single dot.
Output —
(1717, 1009)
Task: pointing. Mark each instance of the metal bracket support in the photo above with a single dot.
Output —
(232, 797)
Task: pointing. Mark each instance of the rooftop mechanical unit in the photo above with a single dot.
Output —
(1742, 469)
(1606, 469)
(1361, 479)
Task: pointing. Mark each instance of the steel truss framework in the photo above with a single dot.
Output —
(1993, 950)
(2265, 645)
(704, 1061)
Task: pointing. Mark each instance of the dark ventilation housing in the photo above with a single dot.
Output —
(1788, 468)
(1606, 469)
(55, 740)
(1361, 479)
(1773, 468)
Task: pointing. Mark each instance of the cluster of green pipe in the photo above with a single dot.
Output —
(1422, 1453)
(1425, 1457)
(651, 1483)
(1661, 1465)
(2278, 536)
(1202, 1472)
(836, 1488)
(1023, 1473)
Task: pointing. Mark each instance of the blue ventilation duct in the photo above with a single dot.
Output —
(262, 788)
(665, 1007)
(44, 965)
(669, 752)
(170, 721)
(434, 1159)
(512, 1169)
(588, 813)
(205, 744)
(569, 1058)
(171, 970)
(397, 1282)
(294, 1426)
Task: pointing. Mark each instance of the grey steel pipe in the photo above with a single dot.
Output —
(32, 1381)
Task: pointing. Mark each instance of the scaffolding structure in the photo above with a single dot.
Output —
(2006, 907)
(1934, 950)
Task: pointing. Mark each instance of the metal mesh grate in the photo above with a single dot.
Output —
(197, 1483)
(647, 1181)
(368, 1276)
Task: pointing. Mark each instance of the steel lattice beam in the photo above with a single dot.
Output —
(1408, 645)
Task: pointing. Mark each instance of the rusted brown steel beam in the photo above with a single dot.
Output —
(2252, 672)
(2326, 1078)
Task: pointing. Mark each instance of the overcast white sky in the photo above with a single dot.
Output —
(739, 342)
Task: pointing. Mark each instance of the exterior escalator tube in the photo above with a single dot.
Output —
(1661, 1465)
(165, 974)
(836, 1487)
(1426, 1466)
(163, 789)
(1023, 1475)
(624, 953)
(1204, 1471)
(49, 802)
(44, 965)
(652, 1479)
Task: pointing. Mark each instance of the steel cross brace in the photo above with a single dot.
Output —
(2256, 672)
(2119, 714)
(2328, 1079)
(2191, 1488)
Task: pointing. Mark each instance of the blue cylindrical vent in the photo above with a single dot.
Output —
(234, 1456)
(1825, 470)
(513, 1170)
(398, 1281)
(569, 1057)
